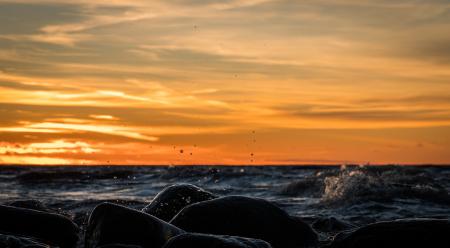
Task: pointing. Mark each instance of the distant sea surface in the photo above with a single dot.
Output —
(359, 195)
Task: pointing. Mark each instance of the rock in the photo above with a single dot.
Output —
(400, 233)
(331, 225)
(174, 198)
(114, 224)
(214, 241)
(53, 229)
(8, 241)
(119, 246)
(246, 217)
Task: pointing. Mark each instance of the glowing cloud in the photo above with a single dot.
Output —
(57, 146)
(104, 117)
(135, 82)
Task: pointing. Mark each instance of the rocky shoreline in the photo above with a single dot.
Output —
(186, 216)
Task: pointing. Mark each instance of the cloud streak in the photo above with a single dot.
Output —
(160, 76)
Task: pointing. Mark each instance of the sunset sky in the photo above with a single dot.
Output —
(224, 82)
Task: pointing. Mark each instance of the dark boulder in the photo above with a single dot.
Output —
(53, 229)
(172, 199)
(188, 240)
(8, 241)
(246, 217)
(331, 225)
(400, 233)
(119, 246)
(114, 224)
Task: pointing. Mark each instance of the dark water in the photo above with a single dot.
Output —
(359, 195)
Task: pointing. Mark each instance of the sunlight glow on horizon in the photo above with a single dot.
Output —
(234, 82)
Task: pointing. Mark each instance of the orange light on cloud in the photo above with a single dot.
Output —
(241, 82)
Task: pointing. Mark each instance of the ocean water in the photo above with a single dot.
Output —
(358, 195)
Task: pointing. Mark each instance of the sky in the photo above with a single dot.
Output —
(179, 82)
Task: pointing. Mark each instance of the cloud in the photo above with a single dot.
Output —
(172, 72)
(131, 116)
(39, 160)
(24, 86)
(440, 100)
(70, 127)
(54, 147)
(104, 117)
(436, 50)
(377, 115)
(415, 108)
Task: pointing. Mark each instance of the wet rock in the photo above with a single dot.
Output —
(53, 229)
(246, 217)
(114, 224)
(331, 225)
(214, 241)
(172, 199)
(8, 241)
(400, 233)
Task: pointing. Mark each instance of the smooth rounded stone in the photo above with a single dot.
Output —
(8, 241)
(331, 225)
(52, 229)
(172, 199)
(400, 233)
(246, 217)
(188, 240)
(114, 224)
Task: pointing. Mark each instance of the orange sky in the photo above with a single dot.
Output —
(224, 82)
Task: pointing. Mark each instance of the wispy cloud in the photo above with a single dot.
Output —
(71, 127)
(57, 146)
(104, 117)
(165, 74)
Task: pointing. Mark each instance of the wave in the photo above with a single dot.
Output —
(350, 185)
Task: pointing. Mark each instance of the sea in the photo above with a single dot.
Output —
(354, 194)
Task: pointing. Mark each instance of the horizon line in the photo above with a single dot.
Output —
(225, 165)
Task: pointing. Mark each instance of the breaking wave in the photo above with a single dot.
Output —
(350, 185)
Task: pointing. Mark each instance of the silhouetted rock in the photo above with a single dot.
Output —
(246, 217)
(114, 224)
(214, 241)
(52, 229)
(394, 234)
(331, 224)
(172, 199)
(8, 241)
(119, 246)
